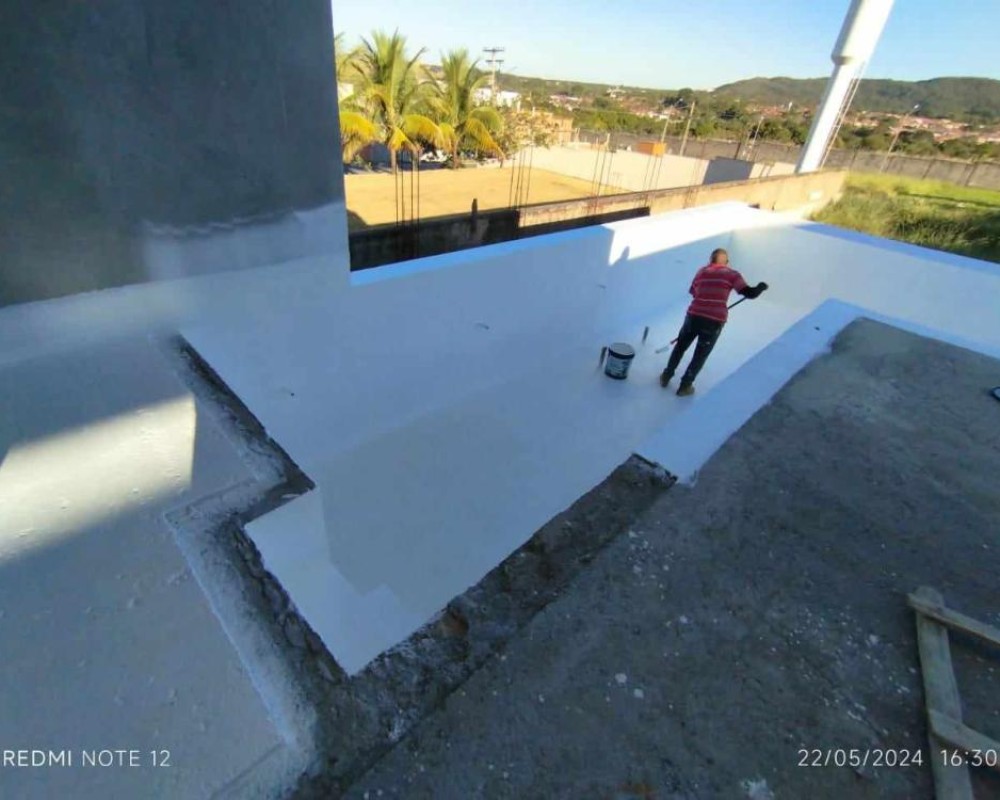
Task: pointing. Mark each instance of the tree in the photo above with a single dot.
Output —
(343, 56)
(733, 112)
(703, 127)
(521, 128)
(679, 99)
(918, 143)
(462, 123)
(798, 129)
(392, 89)
(774, 130)
(356, 130)
(965, 148)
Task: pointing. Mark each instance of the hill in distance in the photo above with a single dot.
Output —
(966, 99)
(956, 98)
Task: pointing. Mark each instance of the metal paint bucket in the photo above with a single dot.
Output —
(619, 359)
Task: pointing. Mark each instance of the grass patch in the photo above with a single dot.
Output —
(932, 214)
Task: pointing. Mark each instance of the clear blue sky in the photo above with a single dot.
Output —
(696, 43)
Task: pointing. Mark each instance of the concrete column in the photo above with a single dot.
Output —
(860, 32)
(155, 139)
(826, 117)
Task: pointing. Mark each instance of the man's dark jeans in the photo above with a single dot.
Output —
(706, 331)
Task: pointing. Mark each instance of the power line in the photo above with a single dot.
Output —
(493, 62)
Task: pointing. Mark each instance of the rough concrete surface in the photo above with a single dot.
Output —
(116, 631)
(760, 612)
(364, 716)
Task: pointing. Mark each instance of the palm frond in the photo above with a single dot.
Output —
(449, 137)
(356, 126)
(398, 140)
(417, 126)
(479, 135)
(488, 116)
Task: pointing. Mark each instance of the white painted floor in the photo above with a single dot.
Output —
(402, 522)
(448, 408)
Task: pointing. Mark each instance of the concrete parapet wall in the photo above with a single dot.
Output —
(385, 244)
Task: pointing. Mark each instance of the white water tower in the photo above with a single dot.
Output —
(858, 37)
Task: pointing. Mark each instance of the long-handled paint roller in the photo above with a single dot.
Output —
(674, 341)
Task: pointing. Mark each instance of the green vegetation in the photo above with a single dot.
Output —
(604, 119)
(392, 92)
(915, 143)
(409, 105)
(356, 130)
(395, 100)
(729, 112)
(927, 213)
(964, 99)
(464, 125)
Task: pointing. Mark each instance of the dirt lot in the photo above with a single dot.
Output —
(371, 198)
(758, 614)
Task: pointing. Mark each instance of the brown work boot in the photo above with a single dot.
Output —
(665, 378)
(685, 390)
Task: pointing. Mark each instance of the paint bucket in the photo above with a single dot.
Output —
(619, 359)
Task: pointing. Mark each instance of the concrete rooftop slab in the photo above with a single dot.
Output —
(108, 640)
(445, 409)
(759, 613)
(448, 407)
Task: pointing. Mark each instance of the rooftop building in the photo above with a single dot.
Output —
(250, 499)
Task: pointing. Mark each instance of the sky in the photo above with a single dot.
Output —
(699, 44)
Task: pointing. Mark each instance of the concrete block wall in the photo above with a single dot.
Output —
(982, 174)
(386, 244)
(634, 172)
(779, 193)
(722, 170)
(802, 193)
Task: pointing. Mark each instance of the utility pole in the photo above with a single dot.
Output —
(493, 61)
(496, 82)
(687, 127)
(666, 122)
(752, 140)
(895, 136)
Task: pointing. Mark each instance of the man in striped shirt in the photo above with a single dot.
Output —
(705, 316)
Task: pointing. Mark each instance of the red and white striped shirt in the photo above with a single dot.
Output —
(710, 289)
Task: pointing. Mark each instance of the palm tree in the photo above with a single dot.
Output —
(356, 130)
(391, 89)
(343, 57)
(463, 123)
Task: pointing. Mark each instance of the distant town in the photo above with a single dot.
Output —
(727, 116)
